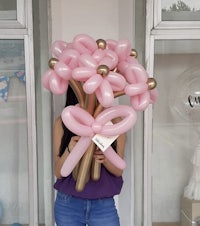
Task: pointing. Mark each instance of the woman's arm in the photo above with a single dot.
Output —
(57, 136)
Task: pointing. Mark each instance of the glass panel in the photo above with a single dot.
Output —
(180, 10)
(14, 204)
(8, 9)
(176, 129)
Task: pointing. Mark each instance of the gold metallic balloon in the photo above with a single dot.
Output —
(151, 82)
(85, 166)
(134, 53)
(103, 70)
(95, 170)
(79, 92)
(101, 43)
(52, 62)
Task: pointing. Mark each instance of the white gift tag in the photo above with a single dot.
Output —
(103, 142)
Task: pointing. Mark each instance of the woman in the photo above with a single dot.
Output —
(94, 206)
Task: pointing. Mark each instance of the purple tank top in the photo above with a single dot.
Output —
(107, 186)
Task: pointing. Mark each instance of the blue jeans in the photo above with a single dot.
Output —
(72, 211)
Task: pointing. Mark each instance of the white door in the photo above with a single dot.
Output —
(172, 125)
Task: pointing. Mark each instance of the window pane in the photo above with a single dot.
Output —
(180, 10)
(13, 134)
(8, 9)
(175, 129)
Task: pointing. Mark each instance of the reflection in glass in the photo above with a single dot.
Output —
(8, 9)
(180, 10)
(175, 127)
(13, 134)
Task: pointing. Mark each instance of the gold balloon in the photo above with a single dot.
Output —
(95, 170)
(151, 82)
(79, 92)
(101, 43)
(103, 70)
(84, 169)
(134, 53)
(52, 62)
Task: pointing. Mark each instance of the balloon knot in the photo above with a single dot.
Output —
(96, 127)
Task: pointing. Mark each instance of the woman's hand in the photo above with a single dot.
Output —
(99, 156)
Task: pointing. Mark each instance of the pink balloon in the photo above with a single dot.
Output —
(82, 123)
(83, 73)
(104, 94)
(77, 120)
(116, 80)
(126, 112)
(110, 59)
(86, 60)
(53, 83)
(92, 84)
(112, 157)
(136, 89)
(70, 57)
(128, 62)
(132, 60)
(75, 155)
(136, 73)
(57, 85)
(84, 44)
(62, 70)
(45, 78)
(111, 44)
(140, 102)
(153, 95)
(123, 49)
(98, 55)
(102, 86)
(122, 66)
(58, 47)
(78, 151)
(80, 59)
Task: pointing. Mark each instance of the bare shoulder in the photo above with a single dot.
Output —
(58, 122)
(57, 133)
(57, 128)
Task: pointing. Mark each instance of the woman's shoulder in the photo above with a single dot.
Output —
(57, 127)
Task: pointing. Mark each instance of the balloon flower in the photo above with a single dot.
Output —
(98, 71)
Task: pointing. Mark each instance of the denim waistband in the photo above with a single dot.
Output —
(63, 196)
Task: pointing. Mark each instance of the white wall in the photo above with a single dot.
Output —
(99, 19)
(95, 18)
